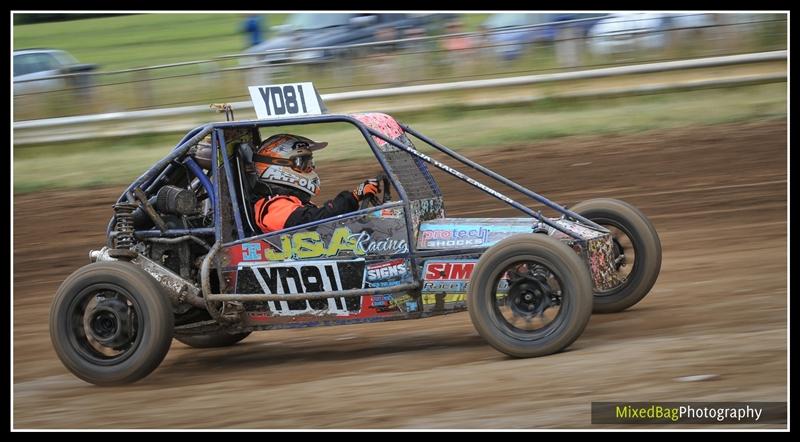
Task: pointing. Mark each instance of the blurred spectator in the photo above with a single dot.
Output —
(628, 35)
(568, 45)
(252, 27)
(509, 36)
(383, 58)
(484, 44)
(439, 25)
(459, 48)
(415, 57)
(255, 75)
(457, 43)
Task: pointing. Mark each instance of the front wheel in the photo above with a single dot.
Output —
(637, 251)
(110, 323)
(530, 295)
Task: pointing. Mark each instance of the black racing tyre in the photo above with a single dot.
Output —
(110, 323)
(633, 235)
(212, 340)
(529, 279)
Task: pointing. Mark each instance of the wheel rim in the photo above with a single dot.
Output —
(528, 299)
(104, 324)
(624, 255)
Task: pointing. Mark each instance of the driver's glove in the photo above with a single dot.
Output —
(367, 189)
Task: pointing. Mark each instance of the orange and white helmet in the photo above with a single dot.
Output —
(287, 160)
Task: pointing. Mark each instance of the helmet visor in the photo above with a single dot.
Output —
(299, 161)
(303, 163)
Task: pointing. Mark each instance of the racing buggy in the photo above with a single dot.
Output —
(184, 257)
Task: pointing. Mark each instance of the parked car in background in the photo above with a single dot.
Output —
(509, 34)
(641, 31)
(314, 30)
(34, 67)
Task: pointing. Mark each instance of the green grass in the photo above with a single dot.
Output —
(143, 39)
(152, 39)
(112, 162)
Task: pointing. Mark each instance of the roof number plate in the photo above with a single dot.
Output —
(285, 100)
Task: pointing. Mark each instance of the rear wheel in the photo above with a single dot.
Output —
(530, 295)
(637, 251)
(110, 323)
(212, 340)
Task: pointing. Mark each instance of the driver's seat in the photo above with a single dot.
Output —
(244, 192)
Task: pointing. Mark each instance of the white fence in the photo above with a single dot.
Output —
(428, 88)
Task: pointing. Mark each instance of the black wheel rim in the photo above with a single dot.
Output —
(104, 324)
(624, 255)
(528, 299)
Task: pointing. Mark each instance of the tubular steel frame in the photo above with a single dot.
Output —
(155, 174)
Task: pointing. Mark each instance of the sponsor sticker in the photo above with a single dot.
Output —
(429, 299)
(304, 245)
(279, 173)
(387, 274)
(450, 276)
(448, 236)
(309, 245)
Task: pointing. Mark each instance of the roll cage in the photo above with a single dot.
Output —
(404, 166)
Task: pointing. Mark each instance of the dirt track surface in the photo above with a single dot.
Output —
(717, 196)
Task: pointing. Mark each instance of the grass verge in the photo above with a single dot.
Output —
(119, 161)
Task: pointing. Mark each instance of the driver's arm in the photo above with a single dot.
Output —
(344, 202)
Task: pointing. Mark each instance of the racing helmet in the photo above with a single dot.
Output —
(287, 160)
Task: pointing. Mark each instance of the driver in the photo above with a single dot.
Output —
(287, 181)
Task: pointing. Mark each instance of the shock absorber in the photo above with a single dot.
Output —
(123, 240)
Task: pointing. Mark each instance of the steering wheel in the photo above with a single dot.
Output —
(384, 186)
